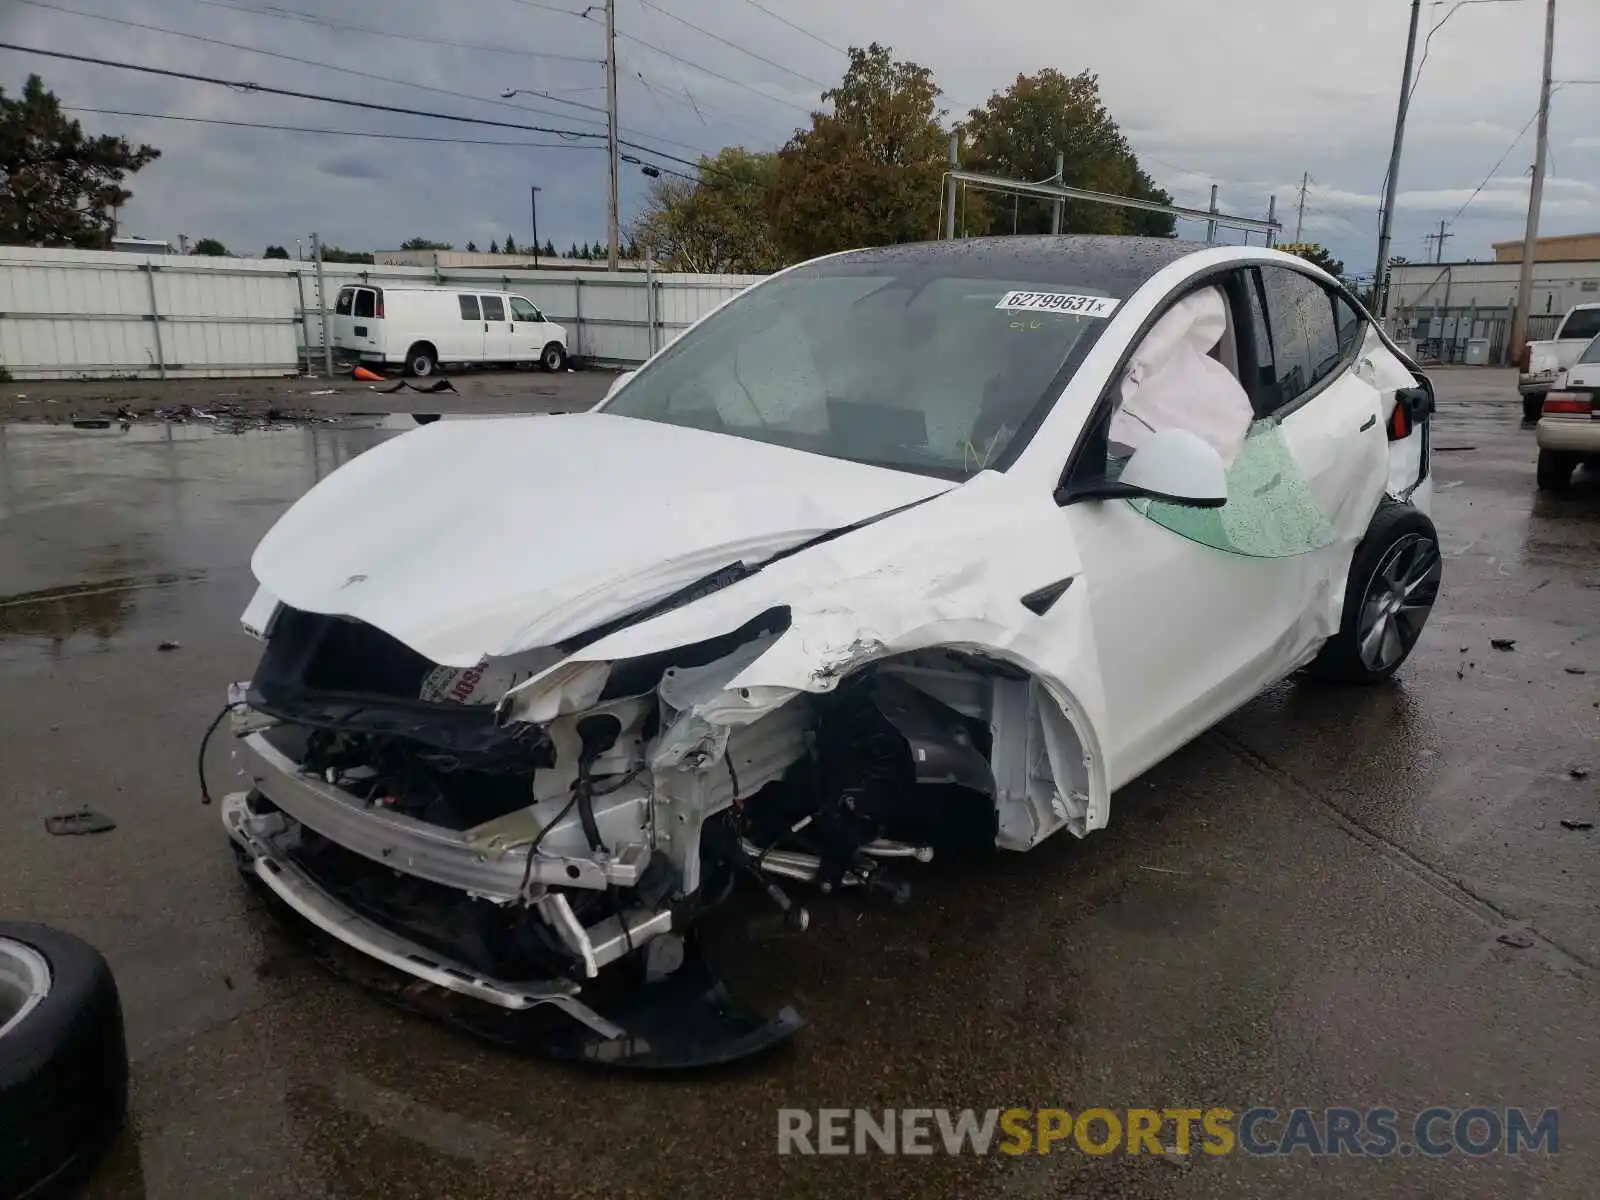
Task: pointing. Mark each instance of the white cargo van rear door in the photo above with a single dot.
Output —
(366, 322)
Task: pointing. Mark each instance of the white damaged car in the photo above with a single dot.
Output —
(903, 551)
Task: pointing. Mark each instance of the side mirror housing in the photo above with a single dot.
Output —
(1173, 466)
(616, 384)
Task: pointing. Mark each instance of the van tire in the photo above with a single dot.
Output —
(422, 360)
(63, 1066)
(553, 358)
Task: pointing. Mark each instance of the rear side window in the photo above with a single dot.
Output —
(364, 303)
(1591, 352)
(1305, 335)
(346, 300)
(469, 308)
(1583, 323)
(494, 308)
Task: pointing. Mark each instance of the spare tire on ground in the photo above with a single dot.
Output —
(63, 1060)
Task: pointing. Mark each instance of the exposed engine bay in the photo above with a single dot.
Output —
(516, 829)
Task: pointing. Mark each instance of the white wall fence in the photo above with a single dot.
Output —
(90, 314)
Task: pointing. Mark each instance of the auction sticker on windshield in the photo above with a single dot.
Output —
(1067, 303)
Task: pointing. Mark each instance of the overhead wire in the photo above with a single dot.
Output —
(308, 62)
(717, 37)
(1498, 163)
(798, 29)
(277, 12)
(360, 133)
(369, 105)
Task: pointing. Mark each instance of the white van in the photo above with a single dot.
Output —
(421, 327)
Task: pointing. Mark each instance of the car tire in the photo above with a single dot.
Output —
(63, 1060)
(553, 358)
(422, 360)
(1532, 406)
(1393, 583)
(1555, 470)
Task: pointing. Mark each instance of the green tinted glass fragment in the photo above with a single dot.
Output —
(1270, 512)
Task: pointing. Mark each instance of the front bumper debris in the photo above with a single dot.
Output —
(686, 1020)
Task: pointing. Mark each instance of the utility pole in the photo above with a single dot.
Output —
(1438, 239)
(1380, 299)
(1211, 226)
(1272, 219)
(950, 188)
(611, 129)
(534, 196)
(1300, 217)
(322, 308)
(1059, 206)
(1530, 238)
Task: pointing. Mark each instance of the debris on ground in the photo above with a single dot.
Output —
(439, 385)
(84, 820)
(1576, 670)
(1579, 772)
(1577, 826)
(168, 646)
(1517, 941)
(90, 423)
(1451, 449)
(1503, 643)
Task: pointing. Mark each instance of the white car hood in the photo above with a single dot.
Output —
(474, 539)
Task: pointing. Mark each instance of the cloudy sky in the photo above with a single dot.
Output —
(1247, 94)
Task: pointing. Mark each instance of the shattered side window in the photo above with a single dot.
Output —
(1270, 512)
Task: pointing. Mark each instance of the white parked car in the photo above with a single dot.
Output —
(1569, 431)
(1543, 361)
(921, 549)
(420, 327)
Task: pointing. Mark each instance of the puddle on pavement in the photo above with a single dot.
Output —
(99, 526)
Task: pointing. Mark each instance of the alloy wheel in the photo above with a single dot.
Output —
(1399, 597)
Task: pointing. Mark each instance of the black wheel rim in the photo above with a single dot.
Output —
(1399, 598)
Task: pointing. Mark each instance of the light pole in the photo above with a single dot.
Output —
(534, 197)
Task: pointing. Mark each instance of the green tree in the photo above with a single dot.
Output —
(472, 247)
(494, 248)
(276, 252)
(549, 250)
(511, 245)
(572, 252)
(720, 223)
(333, 254)
(420, 243)
(210, 247)
(59, 187)
(598, 252)
(1018, 133)
(868, 172)
(1314, 253)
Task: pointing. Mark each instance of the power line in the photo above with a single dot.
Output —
(308, 62)
(337, 26)
(360, 133)
(371, 106)
(1498, 163)
(806, 32)
(717, 37)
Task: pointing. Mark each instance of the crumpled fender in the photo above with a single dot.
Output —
(911, 583)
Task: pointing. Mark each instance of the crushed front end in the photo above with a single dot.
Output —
(544, 832)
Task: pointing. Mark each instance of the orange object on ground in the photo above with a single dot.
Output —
(364, 374)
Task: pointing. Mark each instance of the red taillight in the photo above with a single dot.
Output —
(1525, 360)
(1576, 403)
(1399, 424)
(377, 310)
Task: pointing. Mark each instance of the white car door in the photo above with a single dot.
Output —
(496, 329)
(1196, 610)
(466, 338)
(529, 329)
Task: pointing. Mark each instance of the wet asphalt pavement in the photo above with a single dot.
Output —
(1356, 898)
